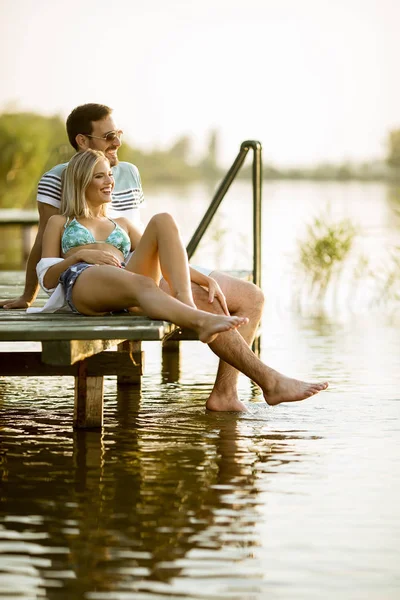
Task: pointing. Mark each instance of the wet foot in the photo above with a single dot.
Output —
(286, 389)
(225, 402)
(212, 325)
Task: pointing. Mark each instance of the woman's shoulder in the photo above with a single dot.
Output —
(57, 220)
(123, 222)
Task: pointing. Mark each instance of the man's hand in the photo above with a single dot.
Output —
(31, 283)
(20, 302)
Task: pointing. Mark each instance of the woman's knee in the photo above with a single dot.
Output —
(164, 220)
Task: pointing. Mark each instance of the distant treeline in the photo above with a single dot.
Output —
(368, 171)
(31, 144)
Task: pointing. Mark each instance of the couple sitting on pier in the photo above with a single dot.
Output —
(97, 277)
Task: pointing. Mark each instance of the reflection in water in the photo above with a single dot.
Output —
(156, 501)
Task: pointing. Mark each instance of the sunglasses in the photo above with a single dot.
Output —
(110, 136)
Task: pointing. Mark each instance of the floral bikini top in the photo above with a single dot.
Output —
(75, 234)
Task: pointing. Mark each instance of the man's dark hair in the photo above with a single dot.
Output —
(80, 120)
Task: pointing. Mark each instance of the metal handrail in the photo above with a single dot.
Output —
(219, 196)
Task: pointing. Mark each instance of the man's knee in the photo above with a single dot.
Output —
(251, 300)
(256, 294)
(240, 293)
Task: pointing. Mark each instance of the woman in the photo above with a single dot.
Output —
(84, 254)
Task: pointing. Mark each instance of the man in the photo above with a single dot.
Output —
(92, 126)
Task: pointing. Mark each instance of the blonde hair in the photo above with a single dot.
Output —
(75, 180)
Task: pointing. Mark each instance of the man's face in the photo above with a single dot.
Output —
(100, 129)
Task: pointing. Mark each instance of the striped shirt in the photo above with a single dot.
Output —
(127, 196)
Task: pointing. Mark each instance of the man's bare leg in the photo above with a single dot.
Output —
(276, 387)
(234, 349)
(243, 298)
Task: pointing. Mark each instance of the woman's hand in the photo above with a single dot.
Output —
(98, 257)
(214, 291)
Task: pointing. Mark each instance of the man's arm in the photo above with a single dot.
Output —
(31, 283)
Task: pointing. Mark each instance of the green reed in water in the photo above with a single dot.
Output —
(323, 256)
(324, 251)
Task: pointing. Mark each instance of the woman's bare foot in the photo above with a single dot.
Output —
(286, 389)
(209, 326)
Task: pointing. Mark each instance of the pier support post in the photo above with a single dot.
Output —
(134, 349)
(89, 399)
(170, 366)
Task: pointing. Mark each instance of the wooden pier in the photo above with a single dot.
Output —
(86, 348)
(78, 346)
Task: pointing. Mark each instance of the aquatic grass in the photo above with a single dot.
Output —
(325, 265)
(323, 253)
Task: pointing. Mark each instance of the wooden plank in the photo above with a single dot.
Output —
(14, 216)
(17, 326)
(89, 400)
(12, 278)
(69, 352)
(20, 364)
(7, 287)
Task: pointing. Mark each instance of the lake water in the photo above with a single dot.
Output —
(171, 501)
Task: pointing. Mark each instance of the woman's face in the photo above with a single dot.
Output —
(100, 188)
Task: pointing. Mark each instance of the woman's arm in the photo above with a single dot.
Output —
(52, 249)
(214, 291)
(134, 232)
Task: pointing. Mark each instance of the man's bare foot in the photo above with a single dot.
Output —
(225, 402)
(286, 389)
(209, 326)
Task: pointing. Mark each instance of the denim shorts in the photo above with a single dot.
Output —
(67, 280)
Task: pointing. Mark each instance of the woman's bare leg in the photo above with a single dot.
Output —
(102, 289)
(161, 250)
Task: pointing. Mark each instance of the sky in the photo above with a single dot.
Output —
(314, 80)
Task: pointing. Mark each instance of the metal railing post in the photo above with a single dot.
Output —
(219, 196)
(257, 185)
